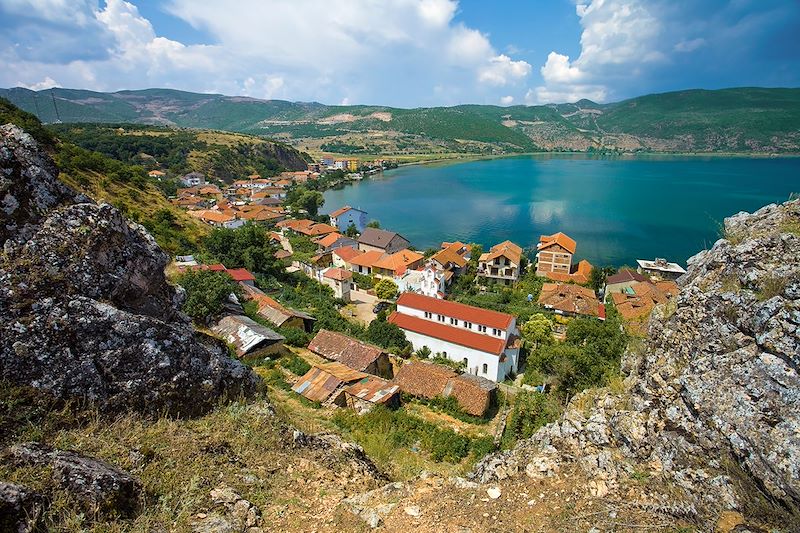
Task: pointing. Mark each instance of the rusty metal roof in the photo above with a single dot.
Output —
(322, 380)
(337, 347)
(373, 389)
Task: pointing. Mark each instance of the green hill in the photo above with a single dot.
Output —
(728, 120)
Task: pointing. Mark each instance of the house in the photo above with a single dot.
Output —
(580, 273)
(660, 268)
(636, 302)
(396, 264)
(306, 227)
(554, 254)
(339, 280)
(373, 239)
(335, 240)
(218, 218)
(343, 256)
(351, 352)
(281, 316)
(622, 280)
(325, 383)
(501, 263)
(157, 174)
(487, 342)
(248, 338)
(365, 262)
(429, 281)
(341, 219)
(571, 300)
(241, 276)
(370, 391)
(474, 394)
(453, 256)
(193, 179)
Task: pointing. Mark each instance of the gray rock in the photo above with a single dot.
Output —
(101, 489)
(713, 398)
(21, 509)
(88, 312)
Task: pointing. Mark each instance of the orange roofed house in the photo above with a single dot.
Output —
(571, 300)
(486, 341)
(352, 352)
(554, 259)
(501, 263)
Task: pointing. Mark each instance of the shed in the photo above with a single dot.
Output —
(371, 391)
(325, 383)
(474, 394)
(248, 338)
(351, 352)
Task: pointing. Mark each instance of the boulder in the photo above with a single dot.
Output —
(100, 489)
(88, 312)
(20, 508)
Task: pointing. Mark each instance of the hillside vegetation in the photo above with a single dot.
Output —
(754, 120)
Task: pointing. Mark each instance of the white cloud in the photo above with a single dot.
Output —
(46, 83)
(506, 100)
(299, 50)
(501, 70)
(690, 45)
(618, 37)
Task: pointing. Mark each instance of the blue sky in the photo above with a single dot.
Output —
(402, 52)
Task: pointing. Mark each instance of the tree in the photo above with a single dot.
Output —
(351, 231)
(423, 353)
(537, 330)
(206, 292)
(597, 278)
(386, 289)
(386, 335)
(374, 224)
(245, 247)
(311, 201)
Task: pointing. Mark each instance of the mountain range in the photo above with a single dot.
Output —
(747, 120)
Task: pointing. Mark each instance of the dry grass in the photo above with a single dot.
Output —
(771, 286)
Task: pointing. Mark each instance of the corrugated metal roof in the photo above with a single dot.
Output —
(322, 380)
(244, 334)
(373, 389)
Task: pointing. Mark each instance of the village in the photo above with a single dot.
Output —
(456, 364)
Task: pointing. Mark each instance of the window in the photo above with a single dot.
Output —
(454, 321)
(482, 329)
(485, 368)
(428, 315)
(468, 325)
(466, 362)
(440, 318)
(495, 331)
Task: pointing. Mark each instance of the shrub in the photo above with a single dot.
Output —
(295, 364)
(531, 411)
(386, 289)
(206, 292)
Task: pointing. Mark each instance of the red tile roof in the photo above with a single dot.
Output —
(346, 350)
(399, 261)
(367, 259)
(347, 253)
(338, 274)
(562, 239)
(430, 380)
(625, 275)
(484, 317)
(453, 334)
(340, 211)
(330, 239)
(240, 274)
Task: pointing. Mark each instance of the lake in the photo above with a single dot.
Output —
(617, 209)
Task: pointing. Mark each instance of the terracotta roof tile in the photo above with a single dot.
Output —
(477, 315)
(562, 239)
(338, 274)
(346, 350)
(570, 299)
(452, 334)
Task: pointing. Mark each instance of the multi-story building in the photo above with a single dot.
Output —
(501, 263)
(554, 254)
(487, 342)
(342, 218)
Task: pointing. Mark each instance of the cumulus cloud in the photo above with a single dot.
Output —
(261, 48)
(506, 100)
(628, 47)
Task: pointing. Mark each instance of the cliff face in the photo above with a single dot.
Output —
(87, 311)
(712, 399)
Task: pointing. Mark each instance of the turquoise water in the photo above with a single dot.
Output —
(617, 209)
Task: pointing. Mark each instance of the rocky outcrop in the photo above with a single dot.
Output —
(20, 508)
(99, 488)
(712, 400)
(87, 311)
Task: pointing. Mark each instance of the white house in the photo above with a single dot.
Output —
(339, 280)
(486, 341)
(342, 218)
(193, 179)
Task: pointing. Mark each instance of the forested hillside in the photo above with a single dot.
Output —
(729, 120)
